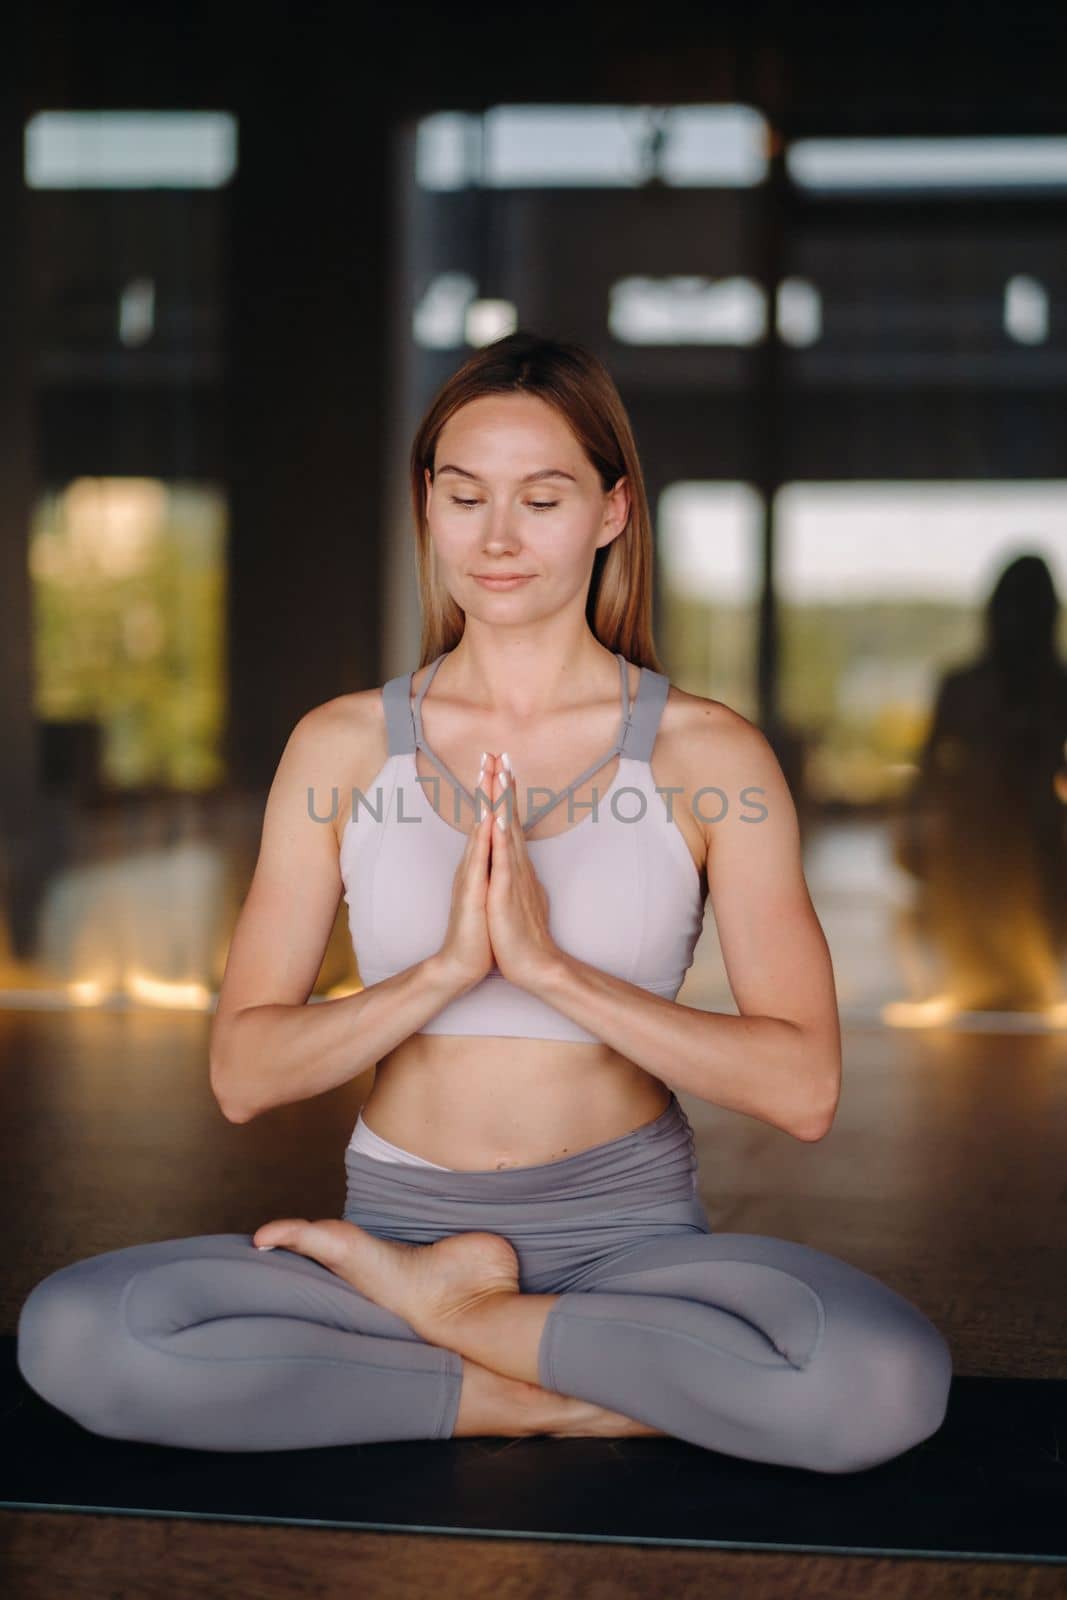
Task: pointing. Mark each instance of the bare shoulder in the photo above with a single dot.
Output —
(726, 763)
(339, 745)
(687, 714)
(706, 732)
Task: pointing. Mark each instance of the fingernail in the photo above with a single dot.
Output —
(265, 1247)
(506, 759)
(500, 823)
(503, 780)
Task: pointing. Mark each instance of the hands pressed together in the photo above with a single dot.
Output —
(499, 907)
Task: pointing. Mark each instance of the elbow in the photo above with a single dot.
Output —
(232, 1114)
(819, 1121)
(821, 1076)
(224, 1066)
(231, 1110)
(811, 1132)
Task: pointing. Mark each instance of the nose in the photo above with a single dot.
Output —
(500, 539)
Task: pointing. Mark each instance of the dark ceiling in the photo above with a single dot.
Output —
(903, 67)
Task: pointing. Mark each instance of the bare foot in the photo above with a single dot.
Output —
(426, 1284)
(585, 1420)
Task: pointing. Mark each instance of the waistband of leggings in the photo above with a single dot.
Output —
(653, 1163)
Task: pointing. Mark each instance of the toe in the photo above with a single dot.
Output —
(280, 1232)
(326, 1242)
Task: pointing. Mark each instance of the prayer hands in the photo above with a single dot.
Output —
(516, 902)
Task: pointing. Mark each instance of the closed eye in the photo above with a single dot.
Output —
(535, 505)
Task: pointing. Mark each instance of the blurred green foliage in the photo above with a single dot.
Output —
(129, 594)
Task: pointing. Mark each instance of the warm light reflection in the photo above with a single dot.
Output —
(87, 992)
(159, 992)
(943, 1008)
(919, 1013)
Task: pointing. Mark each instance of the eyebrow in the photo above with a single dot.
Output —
(531, 477)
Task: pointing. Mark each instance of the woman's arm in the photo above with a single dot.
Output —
(780, 1059)
(277, 1053)
(268, 1047)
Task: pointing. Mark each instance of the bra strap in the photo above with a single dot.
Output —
(643, 726)
(396, 698)
(639, 732)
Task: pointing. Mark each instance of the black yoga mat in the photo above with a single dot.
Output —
(991, 1483)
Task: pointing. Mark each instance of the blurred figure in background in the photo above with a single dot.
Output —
(985, 825)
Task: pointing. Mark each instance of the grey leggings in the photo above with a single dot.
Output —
(757, 1347)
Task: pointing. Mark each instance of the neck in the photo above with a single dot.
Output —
(520, 679)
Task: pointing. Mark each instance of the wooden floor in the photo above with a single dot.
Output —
(943, 1175)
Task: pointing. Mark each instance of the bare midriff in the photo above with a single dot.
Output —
(477, 1103)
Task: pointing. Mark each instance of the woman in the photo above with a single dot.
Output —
(523, 1248)
(985, 831)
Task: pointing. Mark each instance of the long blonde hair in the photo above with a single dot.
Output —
(578, 385)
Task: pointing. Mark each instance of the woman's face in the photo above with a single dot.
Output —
(491, 511)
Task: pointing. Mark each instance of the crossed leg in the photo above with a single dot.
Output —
(754, 1346)
(209, 1343)
(758, 1347)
